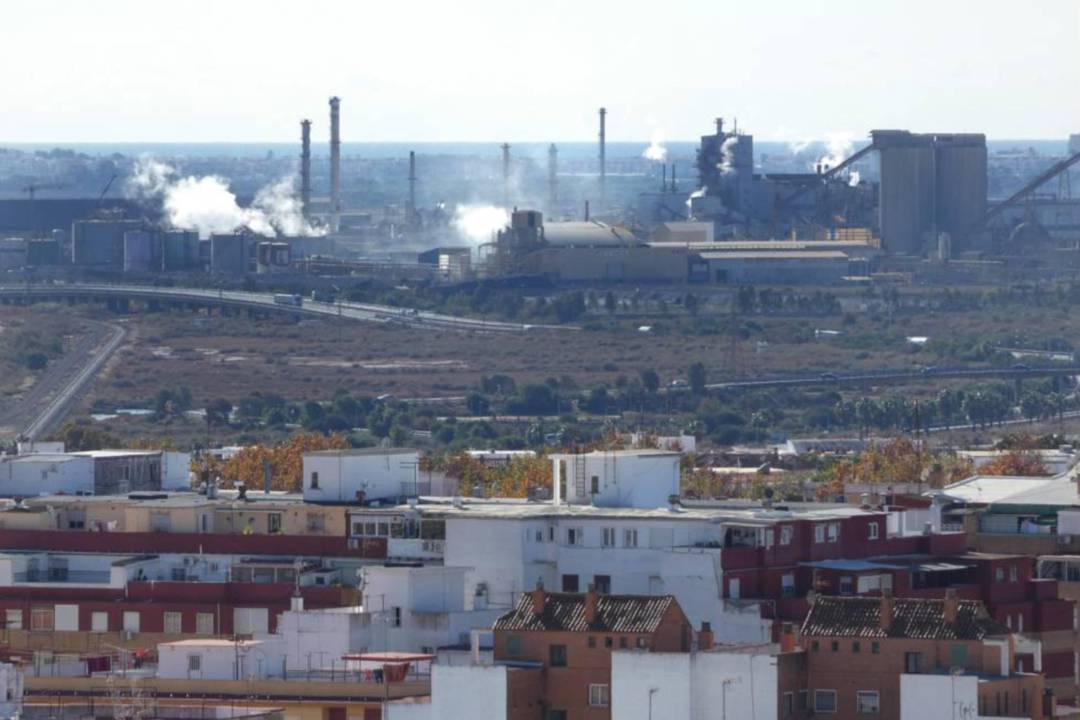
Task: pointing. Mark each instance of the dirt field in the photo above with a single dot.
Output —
(231, 357)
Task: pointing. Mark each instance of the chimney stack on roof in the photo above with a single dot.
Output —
(951, 606)
(706, 640)
(335, 161)
(591, 600)
(887, 605)
(538, 599)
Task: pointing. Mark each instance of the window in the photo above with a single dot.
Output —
(316, 523)
(602, 584)
(204, 623)
(556, 715)
(999, 575)
(835, 646)
(912, 662)
(273, 523)
(194, 663)
(623, 642)
(770, 537)
(599, 695)
(172, 623)
(314, 481)
(592, 641)
(99, 621)
(873, 531)
(958, 656)
(1014, 574)
(513, 645)
(132, 620)
(867, 702)
(539, 536)
(804, 700)
(856, 647)
(789, 704)
(609, 641)
(551, 533)
(847, 585)
(595, 485)
(13, 619)
(819, 533)
(787, 585)
(833, 531)
(570, 583)
(557, 656)
(629, 537)
(825, 701)
(574, 536)
(814, 646)
(785, 534)
(607, 537)
(41, 618)
(875, 648)
(395, 616)
(642, 642)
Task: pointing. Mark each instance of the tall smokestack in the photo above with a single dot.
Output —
(305, 166)
(553, 182)
(335, 161)
(412, 187)
(603, 150)
(506, 174)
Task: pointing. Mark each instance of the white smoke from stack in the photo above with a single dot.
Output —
(854, 178)
(727, 155)
(207, 205)
(656, 150)
(479, 223)
(699, 193)
(839, 146)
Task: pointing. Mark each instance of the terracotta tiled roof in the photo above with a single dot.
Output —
(916, 619)
(565, 612)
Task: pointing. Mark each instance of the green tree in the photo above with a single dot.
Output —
(698, 378)
(650, 380)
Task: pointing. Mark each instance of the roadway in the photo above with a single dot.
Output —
(45, 404)
(1014, 372)
(364, 312)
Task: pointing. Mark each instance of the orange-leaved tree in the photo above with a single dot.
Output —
(286, 461)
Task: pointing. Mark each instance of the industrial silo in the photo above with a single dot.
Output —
(141, 251)
(100, 243)
(906, 203)
(960, 168)
(228, 254)
(181, 250)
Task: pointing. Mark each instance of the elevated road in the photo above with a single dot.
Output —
(1015, 372)
(236, 299)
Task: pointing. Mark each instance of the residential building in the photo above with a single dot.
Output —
(97, 472)
(616, 478)
(360, 475)
(860, 649)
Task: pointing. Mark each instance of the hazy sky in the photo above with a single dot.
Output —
(239, 70)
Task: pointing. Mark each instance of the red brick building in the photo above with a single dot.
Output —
(859, 649)
(567, 639)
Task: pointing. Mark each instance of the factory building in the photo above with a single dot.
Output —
(100, 243)
(229, 254)
(930, 184)
(795, 267)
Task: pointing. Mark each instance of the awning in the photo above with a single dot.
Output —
(940, 567)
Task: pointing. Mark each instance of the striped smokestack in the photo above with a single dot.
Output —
(335, 161)
(305, 166)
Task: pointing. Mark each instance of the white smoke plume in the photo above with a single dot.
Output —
(854, 178)
(839, 147)
(700, 192)
(479, 223)
(727, 155)
(207, 205)
(656, 150)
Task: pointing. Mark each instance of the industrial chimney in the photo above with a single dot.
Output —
(506, 174)
(412, 187)
(305, 166)
(603, 150)
(335, 162)
(553, 187)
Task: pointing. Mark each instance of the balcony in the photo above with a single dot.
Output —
(62, 575)
(415, 548)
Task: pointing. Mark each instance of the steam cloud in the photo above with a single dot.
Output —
(854, 178)
(207, 205)
(656, 150)
(700, 192)
(479, 223)
(838, 148)
(727, 155)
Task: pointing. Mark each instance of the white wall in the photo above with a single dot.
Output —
(29, 475)
(470, 691)
(695, 686)
(1068, 522)
(342, 475)
(931, 696)
(316, 638)
(220, 660)
(175, 470)
(640, 480)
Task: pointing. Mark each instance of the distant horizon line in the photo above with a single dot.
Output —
(757, 138)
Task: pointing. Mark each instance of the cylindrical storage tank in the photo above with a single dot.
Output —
(181, 250)
(138, 251)
(228, 254)
(43, 252)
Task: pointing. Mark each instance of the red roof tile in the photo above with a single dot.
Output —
(565, 612)
(912, 618)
